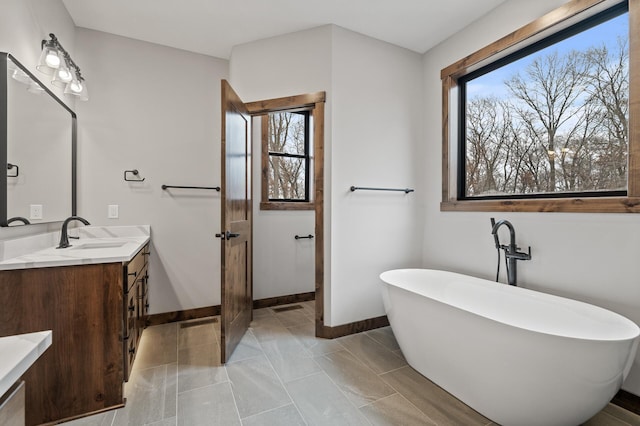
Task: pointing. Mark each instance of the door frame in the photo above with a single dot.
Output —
(314, 102)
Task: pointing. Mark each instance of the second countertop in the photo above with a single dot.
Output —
(96, 245)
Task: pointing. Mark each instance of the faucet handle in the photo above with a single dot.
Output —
(518, 255)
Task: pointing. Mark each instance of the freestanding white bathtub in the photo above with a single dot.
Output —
(517, 356)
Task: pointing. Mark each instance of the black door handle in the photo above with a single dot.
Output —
(230, 235)
(227, 235)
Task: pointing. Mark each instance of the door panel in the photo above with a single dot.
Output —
(237, 295)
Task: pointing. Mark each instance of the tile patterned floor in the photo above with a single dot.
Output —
(280, 374)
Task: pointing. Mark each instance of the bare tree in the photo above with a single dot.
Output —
(551, 89)
(286, 174)
(563, 127)
(608, 85)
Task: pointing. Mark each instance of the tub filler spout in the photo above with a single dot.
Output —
(511, 252)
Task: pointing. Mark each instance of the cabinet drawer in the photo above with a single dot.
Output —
(134, 268)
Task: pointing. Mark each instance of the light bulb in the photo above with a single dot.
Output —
(52, 59)
(75, 86)
(65, 75)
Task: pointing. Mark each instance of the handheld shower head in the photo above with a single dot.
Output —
(495, 234)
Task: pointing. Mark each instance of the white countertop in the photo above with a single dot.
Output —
(96, 245)
(18, 353)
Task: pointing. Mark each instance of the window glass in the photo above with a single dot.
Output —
(288, 144)
(552, 119)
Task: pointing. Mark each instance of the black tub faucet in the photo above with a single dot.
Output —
(511, 252)
(64, 236)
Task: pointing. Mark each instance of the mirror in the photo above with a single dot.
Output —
(38, 146)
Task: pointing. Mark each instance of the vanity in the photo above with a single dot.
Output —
(91, 296)
(94, 297)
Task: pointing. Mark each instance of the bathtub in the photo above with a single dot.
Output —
(517, 356)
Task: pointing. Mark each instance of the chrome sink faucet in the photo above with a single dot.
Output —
(511, 252)
(64, 236)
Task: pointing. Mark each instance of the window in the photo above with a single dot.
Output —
(289, 161)
(292, 151)
(545, 127)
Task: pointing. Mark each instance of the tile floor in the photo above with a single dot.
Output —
(280, 374)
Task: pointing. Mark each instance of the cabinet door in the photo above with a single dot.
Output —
(131, 329)
(143, 301)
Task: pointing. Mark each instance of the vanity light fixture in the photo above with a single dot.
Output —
(56, 61)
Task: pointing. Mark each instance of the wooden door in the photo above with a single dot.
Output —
(236, 301)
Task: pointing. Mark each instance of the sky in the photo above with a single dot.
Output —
(607, 33)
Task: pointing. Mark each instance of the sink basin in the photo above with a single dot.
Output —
(98, 245)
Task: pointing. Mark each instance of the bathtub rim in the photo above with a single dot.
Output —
(630, 330)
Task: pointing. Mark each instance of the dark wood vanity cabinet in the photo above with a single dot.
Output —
(136, 305)
(97, 313)
(82, 371)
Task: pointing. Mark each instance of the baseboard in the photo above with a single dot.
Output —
(189, 314)
(627, 400)
(322, 331)
(284, 300)
(210, 311)
(352, 328)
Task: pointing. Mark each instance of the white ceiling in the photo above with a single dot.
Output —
(213, 27)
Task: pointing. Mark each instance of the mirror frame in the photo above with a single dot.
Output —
(4, 108)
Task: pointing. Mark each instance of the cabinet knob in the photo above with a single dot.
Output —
(132, 274)
(132, 350)
(146, 305)
(132, 308)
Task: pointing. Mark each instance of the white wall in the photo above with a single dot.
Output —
(292, 64)
(376, 139)
(588, 257)
(282, 265)
(155, 109)
(372, 131)
(23, 25)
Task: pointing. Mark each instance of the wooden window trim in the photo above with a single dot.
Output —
(287, 205)
(262, 108)
(308, 100)
(522, 37)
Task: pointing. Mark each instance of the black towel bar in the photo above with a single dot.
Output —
(298, 237)
(405, 190)
(216, 188)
